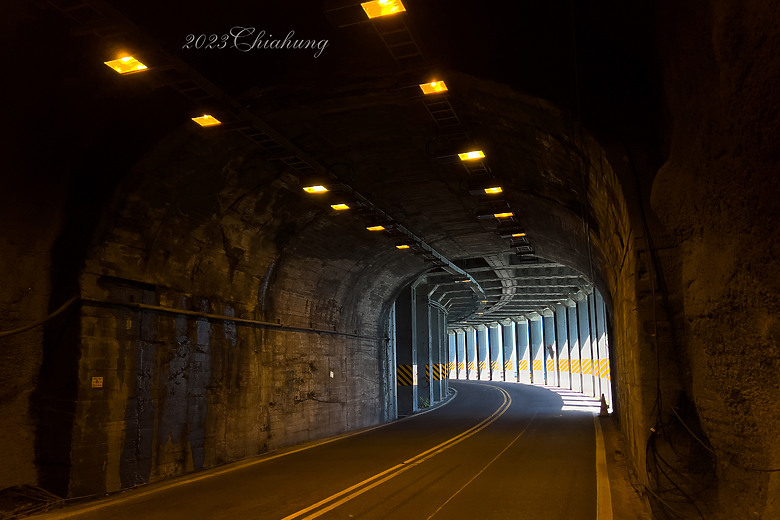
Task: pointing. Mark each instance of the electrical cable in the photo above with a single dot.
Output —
(708, 448)
(656, 276)
(63, 307)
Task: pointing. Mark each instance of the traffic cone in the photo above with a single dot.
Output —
(604, 411)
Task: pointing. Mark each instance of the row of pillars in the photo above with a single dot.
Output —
(422, 357)
(566, 346)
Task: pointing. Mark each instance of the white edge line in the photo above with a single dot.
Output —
(603, 493)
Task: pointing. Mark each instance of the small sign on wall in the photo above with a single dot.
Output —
(97, 382)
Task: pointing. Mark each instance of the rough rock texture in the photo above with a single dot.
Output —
(718, 193)
(182, 392)
(208, 226)
(24, 294)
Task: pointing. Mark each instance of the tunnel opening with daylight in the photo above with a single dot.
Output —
(210, 254)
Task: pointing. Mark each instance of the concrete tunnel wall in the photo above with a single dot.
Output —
(182, 392)
(713, 215)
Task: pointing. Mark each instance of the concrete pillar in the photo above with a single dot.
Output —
(406, 353)
(452, 349)
(460, 354)
(522, 336)
(422, 342)
(575, 363)
(537, 348)
(444, 354)
(586, 353)
(510, 350)
(496, 352)
(471, 354)
(550, 347)
(562, 341)
(391, 368)
(432, 372)
(603, 343)
(483, 367)
(594, 344)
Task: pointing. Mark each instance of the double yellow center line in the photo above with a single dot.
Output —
(337, 499)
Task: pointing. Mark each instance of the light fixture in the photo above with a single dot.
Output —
(511, 231)
(484, 301)
(474, 154)
(377, 8)
(339, 207)
(505, 214)
(207, 120)
(126, 65)
(402, 246)
(485, 186)
(434, 87)
(376, 228)
(315, 189)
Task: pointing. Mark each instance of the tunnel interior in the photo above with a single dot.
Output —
(203, 306)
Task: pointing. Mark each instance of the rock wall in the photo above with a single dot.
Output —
(165, 382)
(25, 295)
(718, 194)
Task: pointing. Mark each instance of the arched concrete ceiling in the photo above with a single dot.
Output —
(354, 116)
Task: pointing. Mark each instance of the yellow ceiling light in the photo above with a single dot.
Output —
(207, 120)
(315, 189)
(505, 214)
(377, 8)
(126, 65)
(518, 235)
(376, 228)
(339, 207)
(493, 190)
(468, 156)
(434, 87)
(402, 246)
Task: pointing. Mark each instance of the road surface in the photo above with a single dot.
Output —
(494, 451)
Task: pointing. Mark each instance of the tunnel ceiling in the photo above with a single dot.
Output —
(355, 119)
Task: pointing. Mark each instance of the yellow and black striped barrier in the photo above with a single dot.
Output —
(523, 364)
(404, 375)
(439, 372)
(495, 366)
(587, 366)
(538, 365)
(508, 365)
(605, 368)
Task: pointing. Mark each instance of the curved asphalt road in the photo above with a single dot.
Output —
(496, 451)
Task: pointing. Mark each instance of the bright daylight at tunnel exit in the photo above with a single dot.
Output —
(392, 259)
